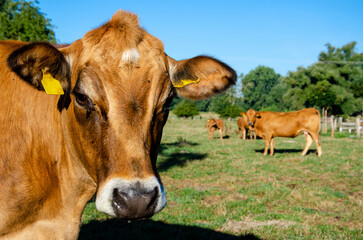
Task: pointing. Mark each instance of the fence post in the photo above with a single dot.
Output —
(340, 124)
(332, 125)
(357, 121)
(324, 121)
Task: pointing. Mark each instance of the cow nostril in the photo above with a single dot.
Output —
(134, 203)
(152, 196)
(119, 200)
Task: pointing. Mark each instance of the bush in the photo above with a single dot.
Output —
(232, 111)
(226, 105)
(186, 109)
(272, 108)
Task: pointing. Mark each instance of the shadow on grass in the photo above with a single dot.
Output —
(217, 137)
(287, 151)
(179, 159)
(180, 143)
(179, 156)
(147, 229)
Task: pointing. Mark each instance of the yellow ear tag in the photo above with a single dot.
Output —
(51, 85)
(184, 82)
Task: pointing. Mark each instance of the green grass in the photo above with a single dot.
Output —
(229, 190)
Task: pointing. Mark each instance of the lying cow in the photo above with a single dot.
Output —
(243, 127)
(100, 134)
(213, 125)
(290, 124)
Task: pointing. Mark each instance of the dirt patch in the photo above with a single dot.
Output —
(247, 224)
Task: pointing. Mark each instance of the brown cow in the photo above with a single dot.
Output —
(213, 125)
(243, 126)
(100, 137)
(290, 124)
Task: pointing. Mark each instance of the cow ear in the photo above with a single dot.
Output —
(32, 61)
(243, 114)
(200, 77)
(258, 115)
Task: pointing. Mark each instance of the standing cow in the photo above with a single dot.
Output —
(213, 125)
(100, 137)
(243, 127)
(290, 124)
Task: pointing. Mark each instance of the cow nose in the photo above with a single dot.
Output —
(134, 203)
(250, 123)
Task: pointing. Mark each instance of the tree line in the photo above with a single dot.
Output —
(334, 82)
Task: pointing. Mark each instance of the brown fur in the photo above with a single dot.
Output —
(213, 125)
(243, 127)
(290, 124)
(56, 151)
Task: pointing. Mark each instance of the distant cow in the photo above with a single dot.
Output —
(101, 137)
(213, 125)
(243, 127)
(290, 124)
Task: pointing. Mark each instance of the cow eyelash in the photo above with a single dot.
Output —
(84, 101)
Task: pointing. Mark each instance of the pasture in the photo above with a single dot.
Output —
(229, 190)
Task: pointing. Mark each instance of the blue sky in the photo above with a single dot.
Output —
(243, 33)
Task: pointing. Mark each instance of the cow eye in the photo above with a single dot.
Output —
(81, 99)
(84, 101)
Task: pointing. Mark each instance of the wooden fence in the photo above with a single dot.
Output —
(335, 124)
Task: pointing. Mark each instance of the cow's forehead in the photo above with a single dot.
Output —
(119, 54)
(250, 113)
(120, 41)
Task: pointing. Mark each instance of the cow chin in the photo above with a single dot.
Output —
(131, 199)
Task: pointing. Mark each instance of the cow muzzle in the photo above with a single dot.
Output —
(250, 123)
(131, 199)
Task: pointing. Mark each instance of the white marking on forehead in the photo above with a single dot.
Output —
(131, 55)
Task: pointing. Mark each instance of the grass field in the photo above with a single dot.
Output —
(229, 190)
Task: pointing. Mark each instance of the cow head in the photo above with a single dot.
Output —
(210, 122)
(252, 115)
(118, 83)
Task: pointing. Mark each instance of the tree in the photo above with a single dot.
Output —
(257, 85)
(320, 94)
(297, 82)
(276, 99)
(335, 82)
(203, 105)
(22, 20)
(227, 104)
(175, 102)
(230, 111)
(186, 108)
